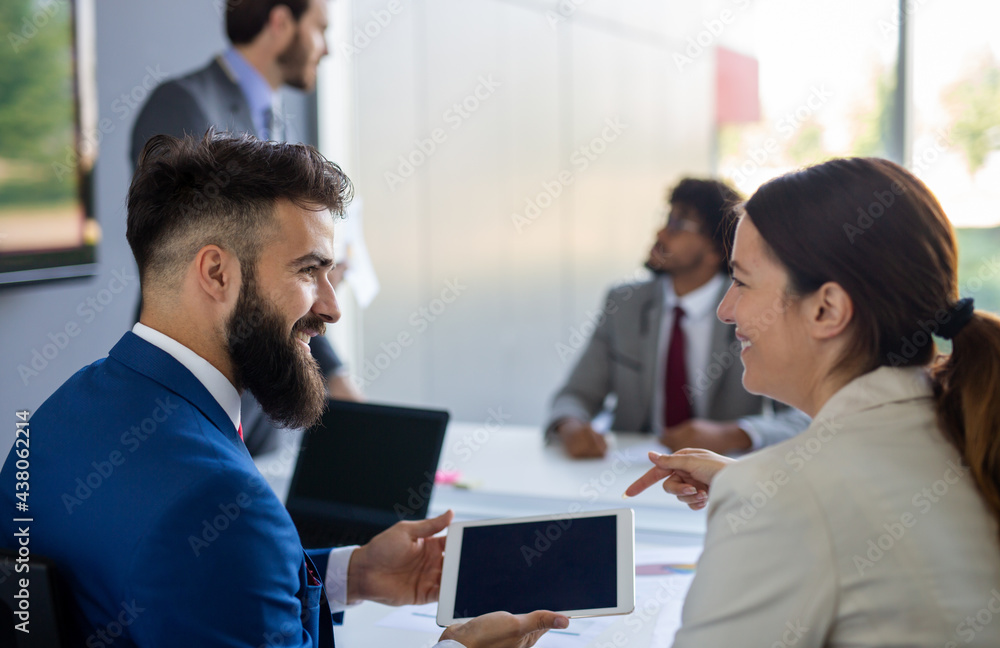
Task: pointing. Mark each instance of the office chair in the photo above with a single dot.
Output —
(48, 606)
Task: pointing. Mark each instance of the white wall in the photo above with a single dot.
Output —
(562, 77)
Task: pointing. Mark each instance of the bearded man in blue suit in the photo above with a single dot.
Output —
(142, 491)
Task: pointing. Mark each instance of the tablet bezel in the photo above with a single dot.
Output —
(625, 542)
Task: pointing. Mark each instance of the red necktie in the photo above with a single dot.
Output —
(676, 406)
(240, 430)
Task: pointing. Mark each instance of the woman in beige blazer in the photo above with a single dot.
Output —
(877, 526)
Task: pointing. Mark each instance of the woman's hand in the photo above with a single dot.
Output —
(687, 473)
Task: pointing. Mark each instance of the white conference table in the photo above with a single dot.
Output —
(508, 471)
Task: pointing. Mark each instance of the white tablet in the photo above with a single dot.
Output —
(580, 564)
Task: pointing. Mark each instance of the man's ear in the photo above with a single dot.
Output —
(830, 311)
(218, 274)
(281, 24)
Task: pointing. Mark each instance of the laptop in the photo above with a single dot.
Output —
(363, 468)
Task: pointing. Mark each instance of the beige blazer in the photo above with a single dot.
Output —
(865, 530)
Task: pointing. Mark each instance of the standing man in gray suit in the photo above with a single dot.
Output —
(671, 365)
(274, 43)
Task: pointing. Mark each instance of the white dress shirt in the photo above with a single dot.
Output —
(225, 393)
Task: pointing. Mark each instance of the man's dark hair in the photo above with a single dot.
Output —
(246, 18)
(715, 202)
(220, 189)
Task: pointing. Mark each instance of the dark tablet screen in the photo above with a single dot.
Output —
(568, 564)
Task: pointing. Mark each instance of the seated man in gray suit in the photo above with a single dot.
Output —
(274, 43)
(673, 367)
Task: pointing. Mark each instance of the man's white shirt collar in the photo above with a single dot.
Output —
(699, 302)
(217, 384)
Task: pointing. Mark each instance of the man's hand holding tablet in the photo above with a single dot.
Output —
(503, 630)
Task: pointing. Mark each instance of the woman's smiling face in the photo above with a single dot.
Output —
(776, 350)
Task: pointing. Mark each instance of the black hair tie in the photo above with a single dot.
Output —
(961, 312)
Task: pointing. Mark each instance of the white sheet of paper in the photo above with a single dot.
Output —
(639, 453)
(668, 592)
(349, 246)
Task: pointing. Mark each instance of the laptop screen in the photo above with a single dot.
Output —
(369, 464)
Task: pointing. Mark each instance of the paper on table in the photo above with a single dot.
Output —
(639, 453)
(669, 593)
(349, 246)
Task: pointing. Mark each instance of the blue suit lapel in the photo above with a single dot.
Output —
(156, 364)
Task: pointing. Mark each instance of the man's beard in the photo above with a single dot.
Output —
(293, 61)
(655, 269)
(268, 362)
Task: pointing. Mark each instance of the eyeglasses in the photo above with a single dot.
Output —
(683, 225)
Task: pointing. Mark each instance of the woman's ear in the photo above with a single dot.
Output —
(830, 311)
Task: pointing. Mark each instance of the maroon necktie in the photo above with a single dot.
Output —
(240, 430)
(676, 406)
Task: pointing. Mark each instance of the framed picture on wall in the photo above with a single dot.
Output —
(49, 140)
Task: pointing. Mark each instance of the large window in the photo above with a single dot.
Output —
(956, 130)
(829, 86)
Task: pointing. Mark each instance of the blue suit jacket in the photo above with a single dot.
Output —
(146, 499)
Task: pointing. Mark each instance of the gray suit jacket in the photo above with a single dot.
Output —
(621, 359)
(190, 104)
